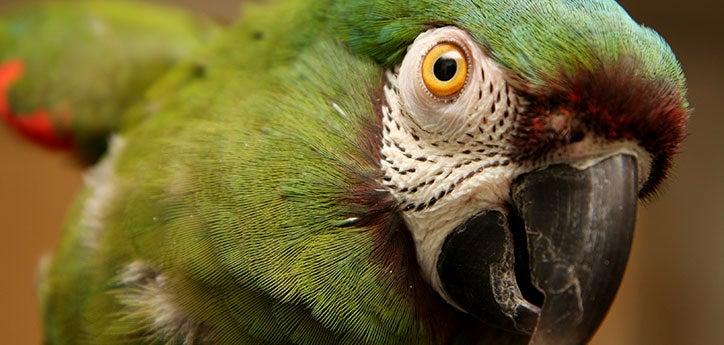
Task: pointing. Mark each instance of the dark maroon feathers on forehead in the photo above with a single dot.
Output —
(616, 104)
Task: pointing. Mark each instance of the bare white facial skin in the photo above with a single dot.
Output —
(444, 159)
(448, 159)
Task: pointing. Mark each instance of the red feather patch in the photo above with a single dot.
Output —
(36, 126)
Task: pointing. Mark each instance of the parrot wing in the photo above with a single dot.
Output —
(69, 71)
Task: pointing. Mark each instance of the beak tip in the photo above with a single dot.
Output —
(579, 251)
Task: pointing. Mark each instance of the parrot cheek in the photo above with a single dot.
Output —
(550, 264)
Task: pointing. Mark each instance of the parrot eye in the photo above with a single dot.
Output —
(436, 82)
(445, 69)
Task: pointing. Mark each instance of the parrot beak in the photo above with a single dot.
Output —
(552, 266)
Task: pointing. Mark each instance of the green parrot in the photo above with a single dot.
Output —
(343, 171)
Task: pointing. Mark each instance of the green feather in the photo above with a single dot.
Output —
(535, 39)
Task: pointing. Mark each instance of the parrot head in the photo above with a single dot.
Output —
(515, 139)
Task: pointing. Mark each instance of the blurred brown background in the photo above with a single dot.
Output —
(673, 292)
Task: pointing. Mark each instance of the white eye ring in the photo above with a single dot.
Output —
(439, 113)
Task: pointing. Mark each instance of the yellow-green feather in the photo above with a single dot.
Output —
(86, 62)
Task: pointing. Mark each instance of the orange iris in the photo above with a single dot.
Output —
(445, 70)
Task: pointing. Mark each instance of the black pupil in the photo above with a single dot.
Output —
(445, 68)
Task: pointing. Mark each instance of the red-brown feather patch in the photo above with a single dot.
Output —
(615, 103)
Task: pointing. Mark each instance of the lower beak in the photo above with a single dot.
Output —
(551, 265)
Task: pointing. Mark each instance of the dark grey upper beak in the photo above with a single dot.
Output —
(551, 265)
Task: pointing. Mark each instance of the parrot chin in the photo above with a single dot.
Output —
(550, 265)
